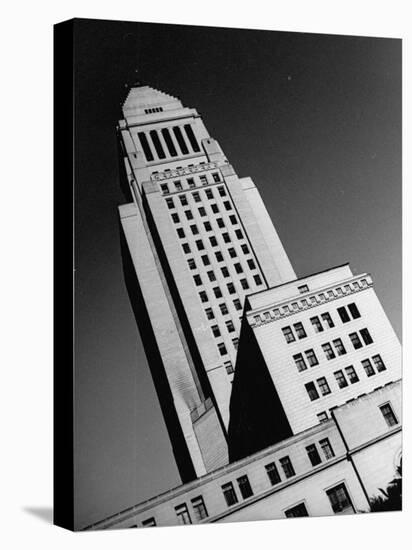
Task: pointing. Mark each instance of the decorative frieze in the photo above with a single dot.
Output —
(186, 171)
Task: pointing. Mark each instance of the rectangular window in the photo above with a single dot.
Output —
(239, 234)
(238, 268)
(323, 385)
(227, 205)
(251, 264)
(217, 292)
(288, 334)
(235, 342)
(178, 185)
(164, 187)
(232, 252)
(388, 415)
(219, 256)
(354, 311)
(323, 416)
(225, 272)
(216, 179)
(273, 473)
(180, 233)
(343, 314)
(328, 320)
(245, 487)
(199, 508)
(287, 467)
(205, 259)
(312, 391)
(317, 325)
(202, 211)
(244, 283)
(313, 455)
(216, 331)
(191, 263)
(229, 494)
(226, 237)
(311, 357)
(186, 248)
(145, 145)
(203, 296)
(233, 219)
(200, 245)
(189, 215)
(183, 200)
(340, 348)
(367, 365)
(245, 249)
(223, 309)
(237, 304)
(379, 364)
(170, 203)
(222, 349)
(351, 374)
(203, 180)
(297, 511)
(330, 354)
(194, 229)
(222, 191)
(229, 367)
(354, 338)
(215, 208)
(220, 223)
(175, 218)
(300, 331)
(209, 194)
(211, 275)
(257, 279)
(339, 500)
(150, 522)
(209, 313)
(366, 337)
(196, 196)
(326, 448)
(213, 241)
(208, 226)
(191, 183)
(340, 379)
(299, 362)
(182, 514)
(230, 326)
(303, 288)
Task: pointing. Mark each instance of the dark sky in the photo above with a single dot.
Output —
(315, 120)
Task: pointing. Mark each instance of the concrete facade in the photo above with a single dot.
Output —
(344, 457)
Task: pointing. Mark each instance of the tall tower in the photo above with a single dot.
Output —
(196, 240)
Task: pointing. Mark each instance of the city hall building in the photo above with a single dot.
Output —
(281, 395)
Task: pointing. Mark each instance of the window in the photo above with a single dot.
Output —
(328, 320)
(188, 214)
(251, 264)
(257, 279)
(245, 487)
(157, 144)
(300, 331)
(146, 147)
(340, 378)
(232, 252)
(367, 365)
(191, 263)
(229, 367)
(379, 364)
(196, 196)
(388, 415)
(209, 194)
(209, 313)
(183, 200)
(299, 362)
(231, 288)
(226, 237)
(222, 349)
(191, 183)
(186, 248)
(317, 325)
(287, 467)
(217, 292)
(211, 275)
(227, 205)
(216, 331)
(339, 499)
(205, 259)
(199, 508)
(239, 234)
(235, 342)
(326, 448)
(180, 233)
(273, 473)
(238, 268)
(323, 385)
(351, 374)
(303, 288)
(311, 357)
(178, 185)
(150, 522)
(354, 311)
(203, 180)
(182, 514)
(298, 511)
(164, 188)
(330, 354)
(355, 340)
(288, 334)
(180, 139)
(244, 283)
(229, 494)
(175, 218)
(170, 203)
(245, 248)
(216, 179)
(213, 241)
(230, 326)
(225, 272)
(233, 219)
(340, 348)
(203, 296)
(192, 138)
(313, 455)
(200, 245)
(366, 337)
(223, 309)
(194, 229)
(169, 143)
(219, 256)
(197, 279)
(215, 208)
(312, 391)
(343, 314)
(220, 223)
(208, 226)
(323, 416)
(202, 211)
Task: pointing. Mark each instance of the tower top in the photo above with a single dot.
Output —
(140, 99)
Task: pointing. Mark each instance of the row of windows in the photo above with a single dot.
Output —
(223, 309)
(191, 183)
(339, 500)
(173, 138)
(344, 377)
(212, 277)
(153, 110)
(224, 270)
(218, 255)
(319, 323)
